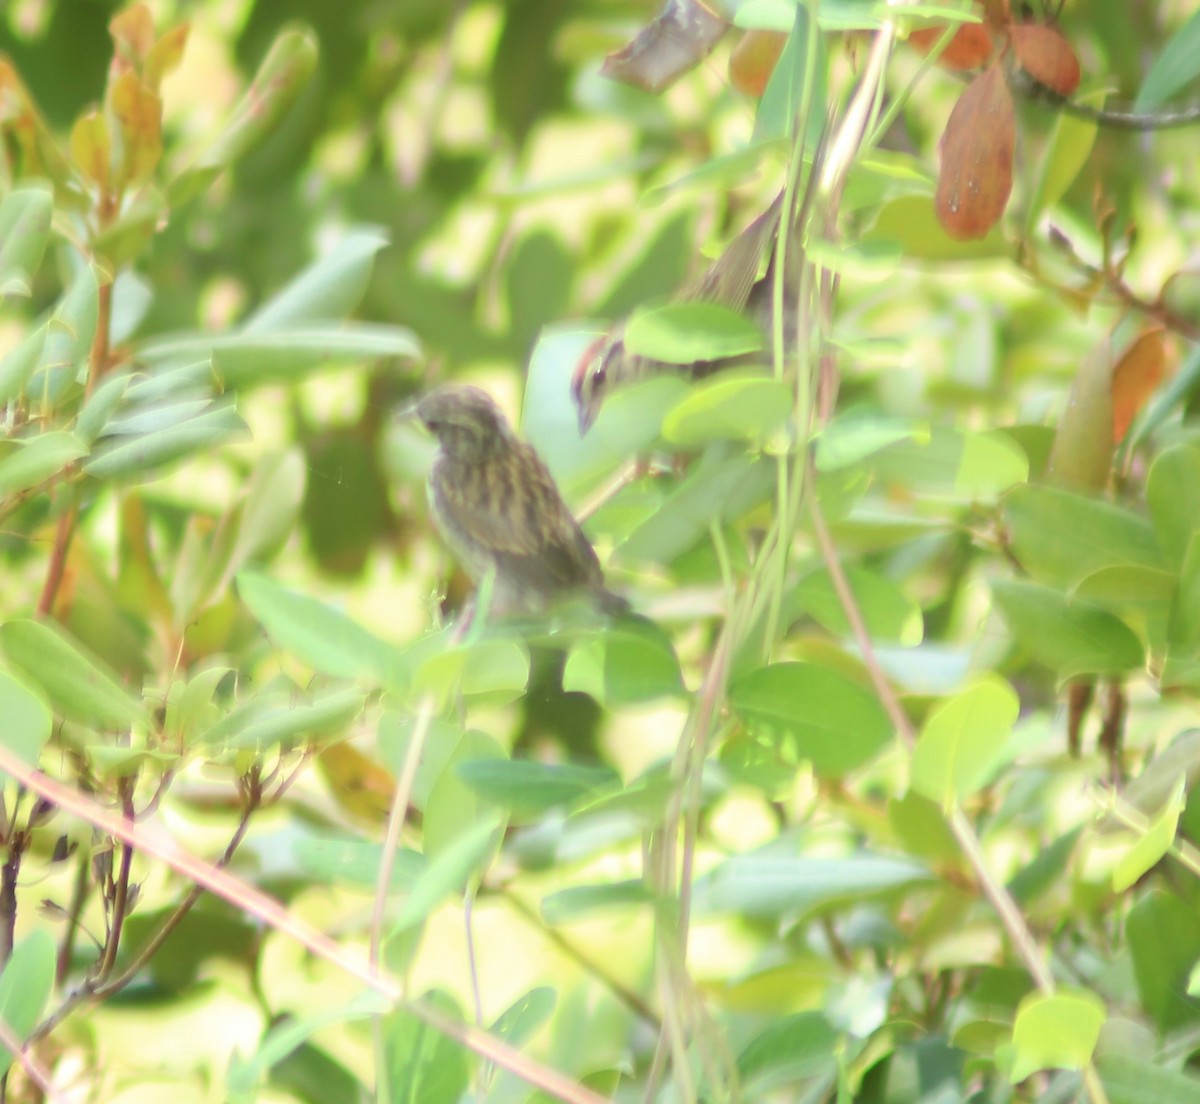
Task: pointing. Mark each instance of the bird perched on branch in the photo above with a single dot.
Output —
(732, 281)
(498, 509)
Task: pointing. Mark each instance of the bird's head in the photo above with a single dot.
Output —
(466, 421)
(593, 377)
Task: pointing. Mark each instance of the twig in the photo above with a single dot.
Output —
(34, 1069)
(243, 895)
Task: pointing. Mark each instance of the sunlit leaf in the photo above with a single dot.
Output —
(962, 740)
(820, 714)
(1056, 1031)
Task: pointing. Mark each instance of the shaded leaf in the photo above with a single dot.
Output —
(822, 715)
(962, 740)
(1174, 69)
(681, 36)
(37, 459)
(1070, 638)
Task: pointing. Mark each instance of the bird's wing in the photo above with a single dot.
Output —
(512, 512)
(729, 279)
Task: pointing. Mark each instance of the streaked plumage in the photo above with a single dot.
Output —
(732, 281)
(498, 509)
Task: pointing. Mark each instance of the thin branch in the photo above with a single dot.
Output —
(249, 898)
(34, 1069)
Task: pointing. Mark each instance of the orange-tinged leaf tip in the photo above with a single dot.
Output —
(970, 48)
(1046, 56)
(1135, 377)
(753, 60)
(977, 158)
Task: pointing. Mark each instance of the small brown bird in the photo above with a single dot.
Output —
(500, 512)
(732, 281)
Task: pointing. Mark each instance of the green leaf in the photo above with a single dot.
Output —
(633, 661)
(274, 718)
(25, 986)
(1071, 638)
(720, 488)
(1067, 153)
(958, 464)
(206, 424)
(1151, 790)
(422, 1064)
(585, 901)
(734, 405)
(518, 1022)
(527, 788)
(1153, 843)
(24, 230)
(27, 721)
(72, 326)
(326, 640)
(853, 437)
(336, 860)
(1130, 1080)
(791, 1049)
(245, 1074)
(1174, 69)
(79, 685)
(99, 406)
(247, 359)
(889, 613)
(1173, 496)
(1059, 536)
(494, 668)
(912, 223)
(782, 98)
(826, 718)
(38, 458)
(1056, 1031)
(451, 807)
(21, 361)
(328, 289)
(283, 73)
(449, 872)
(1163, 935)
(691, 332)
(770, 886)
(962, 740)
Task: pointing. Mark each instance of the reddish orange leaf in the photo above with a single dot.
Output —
(1135, 377)
(977, 158)
(753, 60)
(970, 48)
(1046, 56)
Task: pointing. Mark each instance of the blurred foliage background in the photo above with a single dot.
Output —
(936, 846)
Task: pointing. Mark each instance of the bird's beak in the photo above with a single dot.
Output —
(407, 412)
(587, 416)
